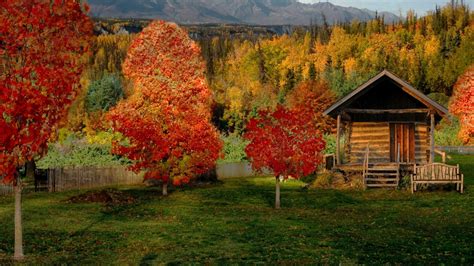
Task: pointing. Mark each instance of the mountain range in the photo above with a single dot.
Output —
(257, 12)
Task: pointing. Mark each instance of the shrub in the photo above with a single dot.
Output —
(234, 148)
(447, 133)
(103, 94)
(309, 178)
(405, 182)
(76, 150)
(330, 144)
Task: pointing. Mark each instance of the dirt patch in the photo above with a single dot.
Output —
(107, 196)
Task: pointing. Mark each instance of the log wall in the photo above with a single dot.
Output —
(422, 141)
(376, 135)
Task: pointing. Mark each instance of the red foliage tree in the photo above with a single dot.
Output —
(166, 121)
(462, 104)
(285, 142)
(42, 44)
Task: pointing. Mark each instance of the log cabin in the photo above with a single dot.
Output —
(385, 121)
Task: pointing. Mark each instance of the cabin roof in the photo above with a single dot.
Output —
(405, 86)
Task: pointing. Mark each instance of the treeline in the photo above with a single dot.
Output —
(429, 52)
(249, 68)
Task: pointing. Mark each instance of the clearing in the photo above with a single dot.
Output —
(234, 222)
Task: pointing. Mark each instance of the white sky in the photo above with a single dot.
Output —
(394, 6)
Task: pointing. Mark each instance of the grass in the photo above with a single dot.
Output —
(234, 222)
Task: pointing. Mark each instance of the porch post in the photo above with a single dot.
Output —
(432, 132)
(338, 158)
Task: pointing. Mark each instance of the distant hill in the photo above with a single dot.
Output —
(259, 12)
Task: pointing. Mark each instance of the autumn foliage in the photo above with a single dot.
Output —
(462, 104)
(284, 141)
(313, 97)
(42, 44)
(166, 121)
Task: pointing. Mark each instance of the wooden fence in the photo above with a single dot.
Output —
(61, 179)
(6, 189)
(237, 169)
(457, 149)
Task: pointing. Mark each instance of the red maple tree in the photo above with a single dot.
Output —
(285, 142)
(462, 104)
(166, 121)
(42, 44)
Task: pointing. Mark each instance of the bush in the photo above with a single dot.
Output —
(330, 144)
(234, 148)
(76, 150)
(309, 178)
(405, 182)
(103, 94)
(447, 133)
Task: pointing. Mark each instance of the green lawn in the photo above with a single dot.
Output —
(234, 222)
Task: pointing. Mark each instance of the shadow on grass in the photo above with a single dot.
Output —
(148, 259)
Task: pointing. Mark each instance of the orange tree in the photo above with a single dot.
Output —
(285, 142)
(313, 97)
(462, 104)
(166, 121)
(42, 44)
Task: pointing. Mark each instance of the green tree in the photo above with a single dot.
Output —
(104, 94)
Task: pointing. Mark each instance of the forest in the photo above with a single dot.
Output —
(250, 68)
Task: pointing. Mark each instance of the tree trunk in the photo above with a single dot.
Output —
(164, 188)
(18, 255)
(277, 193)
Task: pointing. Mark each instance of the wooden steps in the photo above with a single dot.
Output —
(386, 177)
(379, 179)
(382, 185)
(380, 175)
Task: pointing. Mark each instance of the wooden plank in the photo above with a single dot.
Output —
(381, 126)
(380, 142)
(381, 185)
(386, 111)
(362, 127)
(430, 181)
(338, 158)
(369, 139)
(376, 149)
(381, 174)
(412, 142)
(421, 128)
(432, 132)
(370, 124)
(393, 179)
(385, 133)
(371, 132)
(370, 128)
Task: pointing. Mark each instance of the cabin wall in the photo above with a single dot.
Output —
(422, 143)
(376, 135)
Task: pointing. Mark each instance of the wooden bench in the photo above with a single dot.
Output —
(437, 173)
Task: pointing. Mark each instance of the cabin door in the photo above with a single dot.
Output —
(402, 142)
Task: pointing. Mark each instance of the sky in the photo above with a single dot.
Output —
(394, 6)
